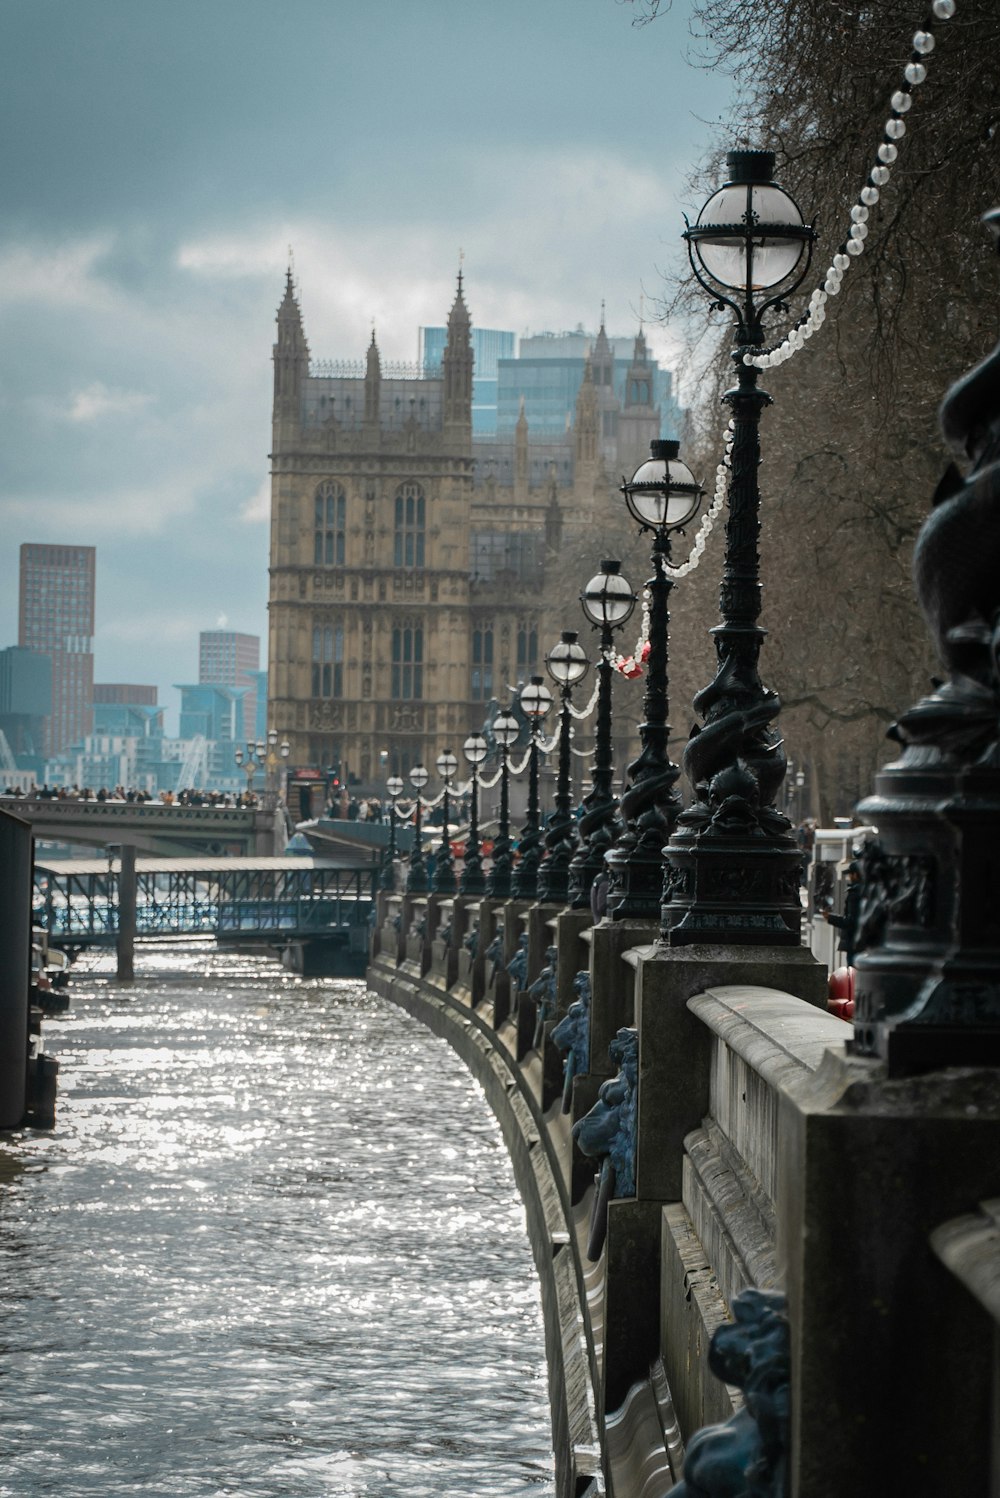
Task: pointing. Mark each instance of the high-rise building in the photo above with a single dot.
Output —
(228, 659)
(25, 703)
(408, 556)
(56, 617)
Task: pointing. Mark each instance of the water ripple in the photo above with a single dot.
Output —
(273, 1247)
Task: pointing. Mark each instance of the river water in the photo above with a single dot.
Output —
(273, 1247)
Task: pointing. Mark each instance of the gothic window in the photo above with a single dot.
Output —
(329, 526)
(527, 649)
(482, 662)
(408, 550)
(407, 663)
(328, 660)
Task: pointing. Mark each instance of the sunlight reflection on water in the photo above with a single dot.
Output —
(272, 1247)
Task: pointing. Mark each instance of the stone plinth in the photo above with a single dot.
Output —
(573, 953)
(675, 1049)
(611, 989)
(891, 1357)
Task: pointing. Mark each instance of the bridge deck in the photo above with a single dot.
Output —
(77, 899)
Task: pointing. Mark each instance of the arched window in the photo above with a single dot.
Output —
(482, 662)
(328, 660)
(408, 550)
(407, 662)
(329, 526)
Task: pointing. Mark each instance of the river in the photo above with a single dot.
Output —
(272, 1247)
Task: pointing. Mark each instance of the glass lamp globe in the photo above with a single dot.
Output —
(284, 748)
(506, 729)
(536, 699)
(608, 598)
(749, 236)
(238, 756)
(394, 785)
(419, 776)
(663, 493)
(567, 662)
(475, 748)
(272, 737)
(447, 764)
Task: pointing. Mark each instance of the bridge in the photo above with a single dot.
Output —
(151, 827)
(301, 905)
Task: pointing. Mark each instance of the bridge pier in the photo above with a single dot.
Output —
(127, 895)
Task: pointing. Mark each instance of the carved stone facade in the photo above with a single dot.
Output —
(406, 579)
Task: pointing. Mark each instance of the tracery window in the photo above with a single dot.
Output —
(482, 662)
(407, 662)
(328, 660)
(527, 649)
(329, 526)
(408, 550)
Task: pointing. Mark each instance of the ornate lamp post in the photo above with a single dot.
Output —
(498, 883)
(608, 602)
(473, 880)
(445, 882)
(275, 756)
(387, 878)
(663, 497)
(733, 865)
(536, 699)
(417, 882)
(250, 762)
(567, 664)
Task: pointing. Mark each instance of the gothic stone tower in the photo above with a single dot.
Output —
(372, 480)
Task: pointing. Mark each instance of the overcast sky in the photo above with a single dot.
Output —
(160, 157)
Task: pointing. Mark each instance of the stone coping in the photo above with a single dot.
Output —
(779, 1036)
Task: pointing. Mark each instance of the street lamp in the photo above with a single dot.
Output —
(536, 699)
(733, 865)
(417, 882)
(498, 883)
(663, 496)
(387, 878)
(445, 882)
(249, 762)
(473, 880)
(567, 664)
(274, 755)
(608, 602)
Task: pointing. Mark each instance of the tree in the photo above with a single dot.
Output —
(851, 449)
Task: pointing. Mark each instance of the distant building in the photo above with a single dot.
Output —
(409, 557)
(228, 659)
(127, 711)
(213, 712)
(25, 703)
(56, 618)
(109, 692)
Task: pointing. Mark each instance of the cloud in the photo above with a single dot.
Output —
(257, 510)
(97, 400)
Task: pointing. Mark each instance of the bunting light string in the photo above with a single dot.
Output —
(585, 712)
(853, 246)
(914, 74)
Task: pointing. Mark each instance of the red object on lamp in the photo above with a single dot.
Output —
(840, 993)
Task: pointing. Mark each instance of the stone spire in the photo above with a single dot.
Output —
(456, 370)
(290, 354)
(373, 384)
(521, 453)
(603, 356)
(585, 428)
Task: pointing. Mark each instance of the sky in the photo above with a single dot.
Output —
(161, 159)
